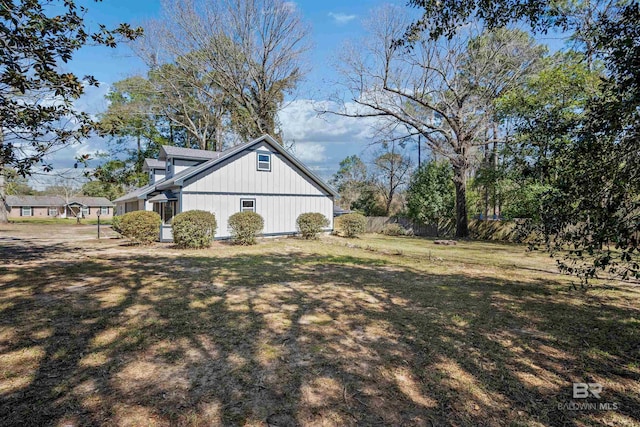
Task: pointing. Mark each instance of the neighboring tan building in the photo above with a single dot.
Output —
(259, 176)
(57, 207)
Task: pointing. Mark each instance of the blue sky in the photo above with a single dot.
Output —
(332, 22)
(321, 142)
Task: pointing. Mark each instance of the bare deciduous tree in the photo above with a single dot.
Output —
(249, 51)
(391, 172)
(441, 90)
(188, 99)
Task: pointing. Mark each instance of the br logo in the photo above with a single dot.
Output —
(584, 390)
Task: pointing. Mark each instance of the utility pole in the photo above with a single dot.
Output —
(98, 213)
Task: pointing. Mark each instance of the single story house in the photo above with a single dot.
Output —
(259, 176)
(58, 207)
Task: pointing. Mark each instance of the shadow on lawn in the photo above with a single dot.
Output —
(289, 339)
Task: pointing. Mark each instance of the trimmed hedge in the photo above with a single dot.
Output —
(115, 224)
(394, 229)
(310, 224)
(244, 227)
(351, 225)
(194, 229)
(142, 227)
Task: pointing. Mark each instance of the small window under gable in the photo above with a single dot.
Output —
(247, 205)
(264, 161)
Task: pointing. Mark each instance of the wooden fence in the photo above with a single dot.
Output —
(375, 224)
(506, 231)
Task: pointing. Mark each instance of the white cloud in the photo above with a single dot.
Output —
(321, 142)
(341, 18)
(290, 6)
(93, 100)
(302, 122)
(310, 152)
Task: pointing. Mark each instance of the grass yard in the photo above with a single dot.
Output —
(58, 221)
(371, 331)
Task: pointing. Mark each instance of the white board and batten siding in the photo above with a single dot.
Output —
(156, 175)
(181, 164)
(280, 195)
(166, 233)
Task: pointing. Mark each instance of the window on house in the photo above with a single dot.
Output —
(247, 205)
(169, 211)
(53, 211)
(104, 210)
(85, 211)
(264, 162)
(26, 211)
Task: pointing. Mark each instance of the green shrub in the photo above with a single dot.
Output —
(310, 224)
(350, 225)
(141, 226)
(115, 224)
(194, 229)
(394, 229)
(244, 227)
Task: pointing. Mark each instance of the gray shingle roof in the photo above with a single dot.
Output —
(34, 201)
(187, 153)
(45, 201)
(92, 201)
(154, 164)
(167, 182)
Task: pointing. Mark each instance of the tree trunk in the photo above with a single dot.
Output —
(460, 182)
(387, 205)
(4, 215)
(486, 184)
(494, 166)
(487, 159)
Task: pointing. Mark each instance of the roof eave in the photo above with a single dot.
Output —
(204, 166)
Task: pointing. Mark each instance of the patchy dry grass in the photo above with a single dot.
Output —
(385, 331)
(58, 221)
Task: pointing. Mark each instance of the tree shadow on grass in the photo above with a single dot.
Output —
(296, 338)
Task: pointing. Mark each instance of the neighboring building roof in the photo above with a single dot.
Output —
(187, 153)
(179, 178)
(150, 164)
(35, 201)
(92, 201)
(47, 201)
